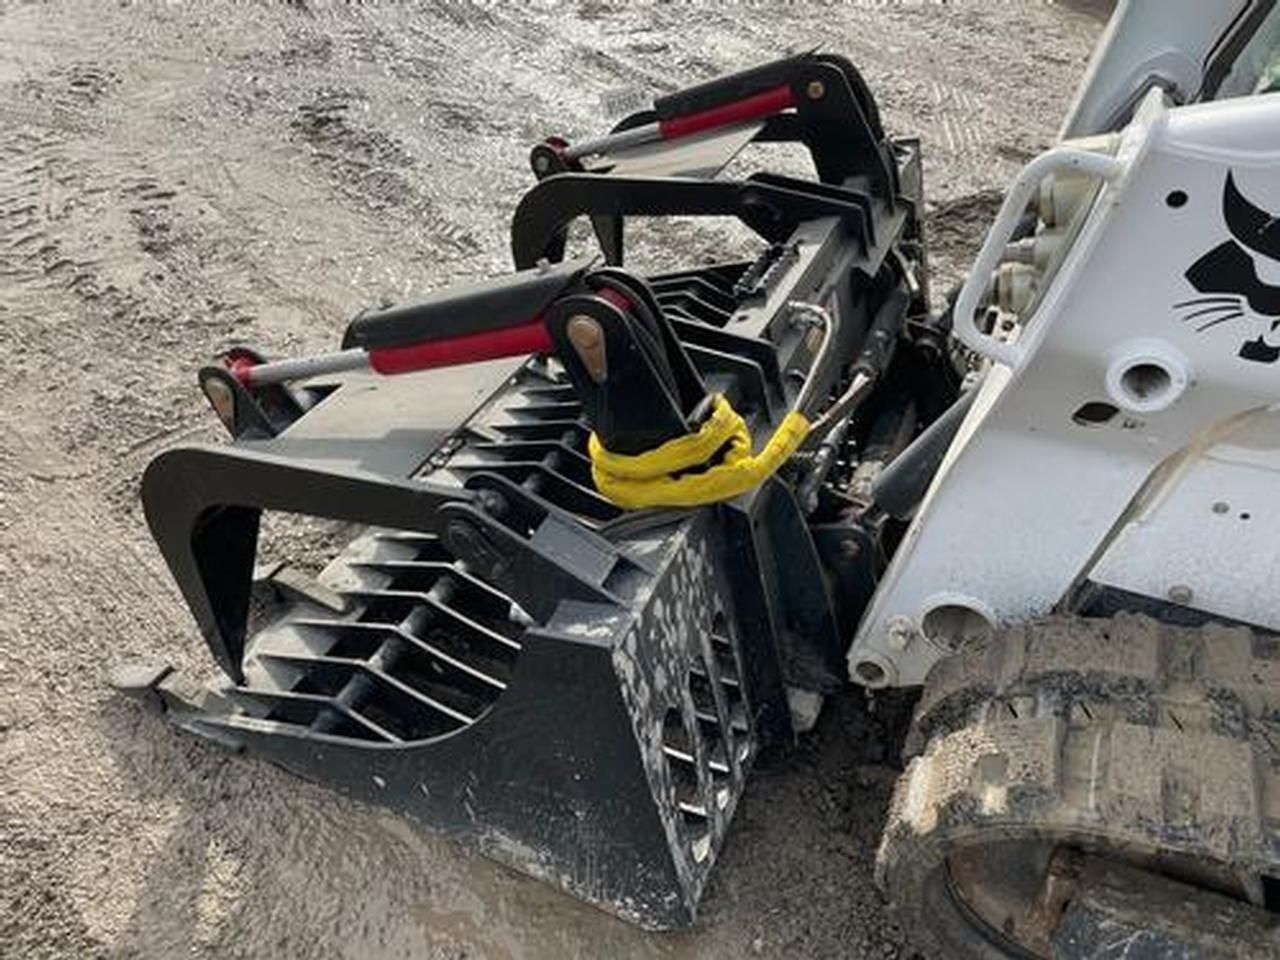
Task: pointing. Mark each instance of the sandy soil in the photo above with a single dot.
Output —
(174, 177)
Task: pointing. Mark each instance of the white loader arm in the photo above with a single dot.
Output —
(1194, 50)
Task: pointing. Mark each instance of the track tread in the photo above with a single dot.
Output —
(1161, 739)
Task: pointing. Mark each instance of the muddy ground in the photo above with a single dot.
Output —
(178, 176)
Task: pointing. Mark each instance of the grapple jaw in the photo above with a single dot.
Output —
(604, 750)
(583, 707)
(500, 652)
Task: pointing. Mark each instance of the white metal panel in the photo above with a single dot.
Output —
(1210, 537)
(1028, 497)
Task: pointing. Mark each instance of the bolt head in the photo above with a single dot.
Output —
(900, 632)
(587, 338)
(815, 90)
(1181, 593)
(463, 537)
(584, 332)
(491, 502)
(222, 399)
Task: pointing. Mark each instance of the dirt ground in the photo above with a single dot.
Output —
(178, 176)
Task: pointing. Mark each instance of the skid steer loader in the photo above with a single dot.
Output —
(596, 573)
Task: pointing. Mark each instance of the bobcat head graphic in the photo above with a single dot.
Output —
(1227, 276)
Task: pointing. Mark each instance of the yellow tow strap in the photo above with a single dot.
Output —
(649, 479)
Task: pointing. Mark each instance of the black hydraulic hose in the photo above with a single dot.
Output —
(881, 341)
(900, 486)
(878, 348)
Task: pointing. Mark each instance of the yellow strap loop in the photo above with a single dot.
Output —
(648, 479)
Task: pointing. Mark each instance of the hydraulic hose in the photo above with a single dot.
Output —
(878, 349)
(901, 485)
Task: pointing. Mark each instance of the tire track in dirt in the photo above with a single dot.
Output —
(369, 166)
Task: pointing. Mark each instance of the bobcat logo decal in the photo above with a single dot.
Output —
(1227, 276)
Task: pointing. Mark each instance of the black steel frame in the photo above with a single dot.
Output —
(511, 659)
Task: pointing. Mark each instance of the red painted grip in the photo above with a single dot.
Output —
(615, 297)
(758, 105)
(240, 368)
(471, 348)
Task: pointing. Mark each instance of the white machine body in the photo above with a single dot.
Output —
(1126, 436)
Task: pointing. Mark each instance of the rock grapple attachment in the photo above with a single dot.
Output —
(499, 651)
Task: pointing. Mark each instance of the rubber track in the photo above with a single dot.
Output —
(1158, 738)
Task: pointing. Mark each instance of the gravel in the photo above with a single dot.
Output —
(176, 177)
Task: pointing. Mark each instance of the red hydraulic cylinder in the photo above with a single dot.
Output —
(470, 348)
(764, 104)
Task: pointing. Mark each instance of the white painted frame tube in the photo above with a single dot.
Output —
(1015, 203)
